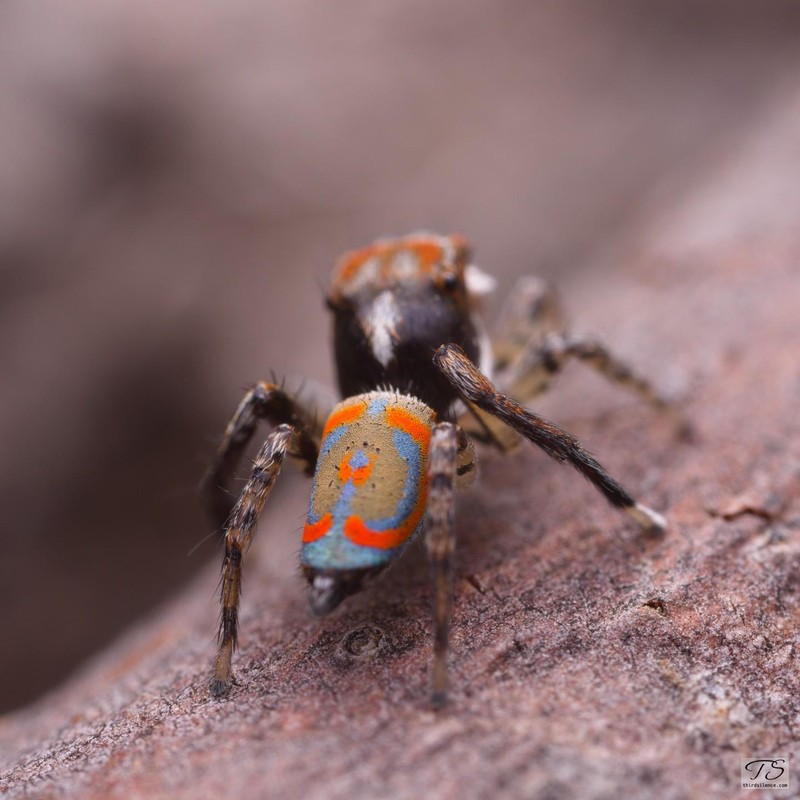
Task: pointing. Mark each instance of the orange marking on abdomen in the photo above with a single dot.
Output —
(343, 417)
(358, 533)
(412, 425)
(317, 530)
(358, 475)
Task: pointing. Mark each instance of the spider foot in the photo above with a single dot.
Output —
(650, 521)
(219, 687)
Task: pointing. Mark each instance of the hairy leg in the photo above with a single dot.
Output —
(534, 345)
(265, 401)
(531, 312)
(543, 364)
(471, 384)
(440, 543)
(238, 535)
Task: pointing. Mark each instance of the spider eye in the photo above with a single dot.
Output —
(449, 281)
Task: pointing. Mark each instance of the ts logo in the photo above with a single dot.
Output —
(766, 769)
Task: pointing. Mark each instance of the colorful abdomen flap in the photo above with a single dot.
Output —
(370, 487)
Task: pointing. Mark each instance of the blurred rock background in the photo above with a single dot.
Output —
(176, 180)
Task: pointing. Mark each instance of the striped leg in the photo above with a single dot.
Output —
(534, 345)
(466, 463)
(543, 363)
(440, 543)
(486, 429)
(531, 312)
(238, 535)
(264, 401)
(470, 382)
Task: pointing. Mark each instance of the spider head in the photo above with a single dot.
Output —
(421, 265)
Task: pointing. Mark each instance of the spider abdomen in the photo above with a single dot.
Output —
(370, 485)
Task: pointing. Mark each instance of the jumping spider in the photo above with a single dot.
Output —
(414, 366)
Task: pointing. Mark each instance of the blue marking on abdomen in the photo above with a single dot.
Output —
(377, 406)
(334, 550)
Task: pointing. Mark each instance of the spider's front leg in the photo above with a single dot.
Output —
(475, 387)
(238, 535)
(265, 401)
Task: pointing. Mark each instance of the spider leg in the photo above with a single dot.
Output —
(468, 380)
(486, 429)
(238, 535)
(537, 370)
(534, 345)
(466, 463)
(440, 544)
(530, 313)
(451, 464)
(266, 401)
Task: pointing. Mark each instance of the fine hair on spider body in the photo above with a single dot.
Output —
(421, 381)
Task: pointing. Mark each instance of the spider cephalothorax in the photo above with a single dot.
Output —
(416, 371)
(393, 304)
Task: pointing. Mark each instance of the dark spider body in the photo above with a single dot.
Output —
(415, 370)
(389, 318)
